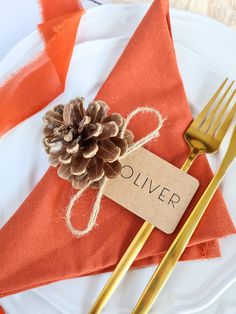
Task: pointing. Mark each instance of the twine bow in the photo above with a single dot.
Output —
(96, 206)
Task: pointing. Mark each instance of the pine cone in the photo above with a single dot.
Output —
(85, 144)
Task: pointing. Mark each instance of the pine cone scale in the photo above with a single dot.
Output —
(78, 112)
(95, 169)
(64, 171)
(79, 165)
(112, 170)
(121, 143)
(110, 129)
(108, 151)
(90, 150)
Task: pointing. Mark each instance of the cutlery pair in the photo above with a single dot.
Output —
(204, 136)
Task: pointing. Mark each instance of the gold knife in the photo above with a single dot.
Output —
(164, 270)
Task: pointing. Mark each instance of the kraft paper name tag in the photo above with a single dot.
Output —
(153, 189)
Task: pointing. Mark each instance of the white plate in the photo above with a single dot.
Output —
(206, 54)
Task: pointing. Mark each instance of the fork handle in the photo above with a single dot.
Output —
(131, 253)
(123, 266)
(175, 251)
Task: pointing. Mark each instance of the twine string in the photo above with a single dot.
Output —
(97, 204)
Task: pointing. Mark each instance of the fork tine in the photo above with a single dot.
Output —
(217, 121)
(200, 118)
(209, 120)
(224, 127)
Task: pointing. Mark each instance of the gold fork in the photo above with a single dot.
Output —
(178, 246)
(201, 137)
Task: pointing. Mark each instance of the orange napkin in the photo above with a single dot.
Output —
(36, 243)
(20, 96)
